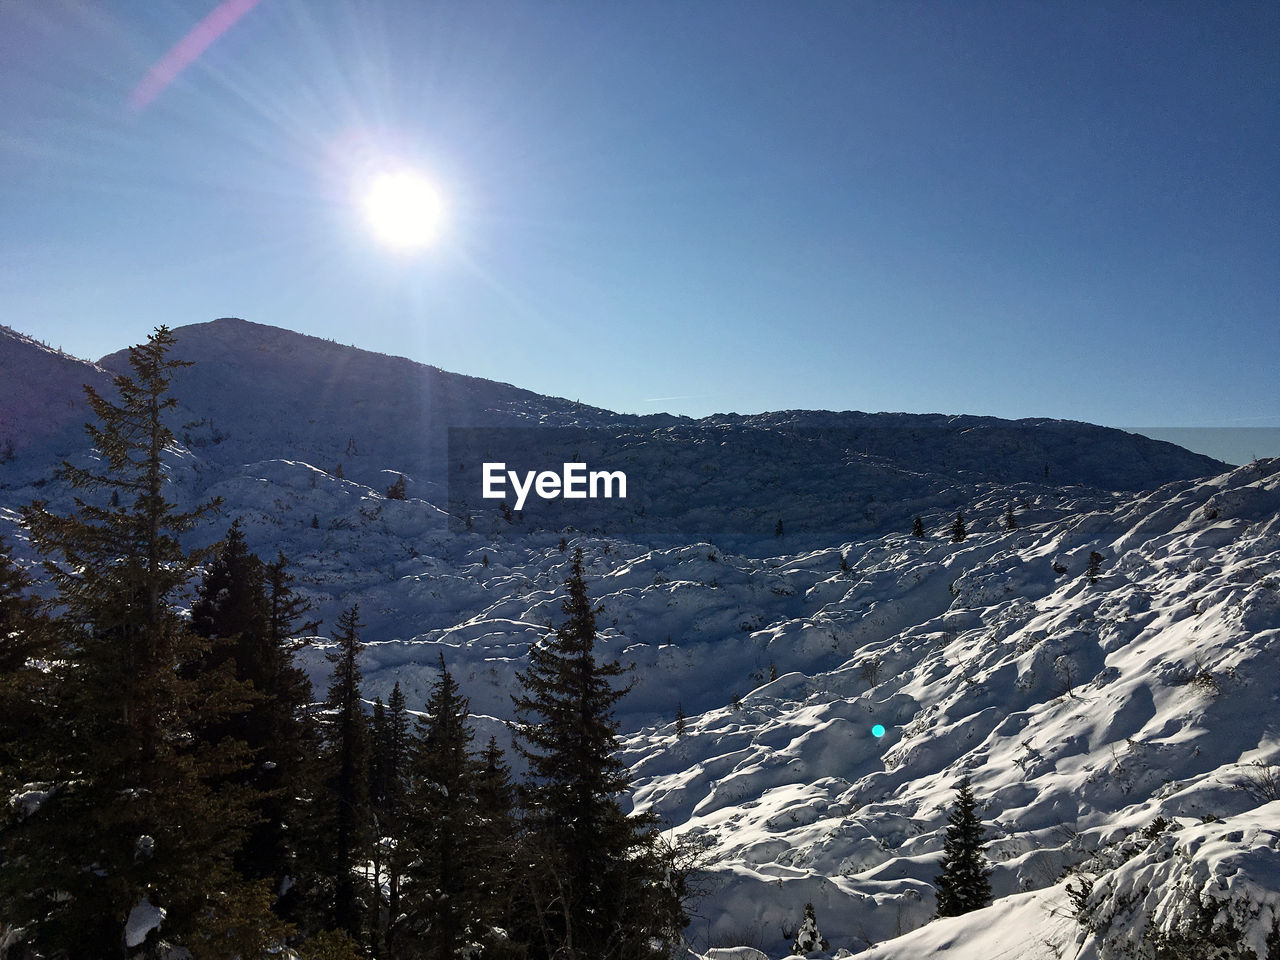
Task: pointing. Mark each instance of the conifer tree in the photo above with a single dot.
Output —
(394, 809)
(586, 851)
(958, 532)
(296, 753)
(379, 788)
(1010, 521)
(441, 828)
(139, 808)
(495, 838)
(23, 700)
(387, 797)
(964, 883)
(1095, 566)
(246, 608)
(917, 527)
(397, 490)
(347, 761)
(808, 939)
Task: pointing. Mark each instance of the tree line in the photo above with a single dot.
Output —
(173, 784)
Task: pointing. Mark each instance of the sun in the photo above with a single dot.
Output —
(404, 209)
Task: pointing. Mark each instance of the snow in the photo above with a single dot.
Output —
(1081, 711)
(143, 918)
(30, 798)
(1229, 868)
(1026, 926)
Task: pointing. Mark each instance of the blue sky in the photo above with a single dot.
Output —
(1016, 209)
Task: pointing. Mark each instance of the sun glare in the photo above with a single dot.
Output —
(403, 209)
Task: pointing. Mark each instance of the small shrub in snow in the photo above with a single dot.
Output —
(1261, 782)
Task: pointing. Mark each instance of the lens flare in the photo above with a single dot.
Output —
(878, 730)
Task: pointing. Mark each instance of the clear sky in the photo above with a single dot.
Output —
(1021, 209)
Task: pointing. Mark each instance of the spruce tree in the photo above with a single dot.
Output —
(379, 749)
(247, 610)
(1095, 566)
(964, 883)
(917, 527)
(346, 758)
(584, 851)
(1010, 521)
(808, 939)
(24, 639)
(441, 828)
(393, 802)
(139, 807)
(286, 608)
(397, 490)
(958, 532)
(494, 827)
(387, 799)
(296, 752)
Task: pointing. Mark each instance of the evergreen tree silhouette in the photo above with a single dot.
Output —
(24, 646)
(1095, 566)
(958, 532)
(132, 812)
(388, 778)
(233, 609)
(346, 757)
(964, 883)
(588, 851)
(441, 831)
(494, 827)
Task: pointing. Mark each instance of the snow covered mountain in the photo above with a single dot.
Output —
(1108, 719)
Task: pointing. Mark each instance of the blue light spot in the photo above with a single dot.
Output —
(878, 730)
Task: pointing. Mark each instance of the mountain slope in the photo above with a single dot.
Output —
(42, 408)
(1081, 708)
